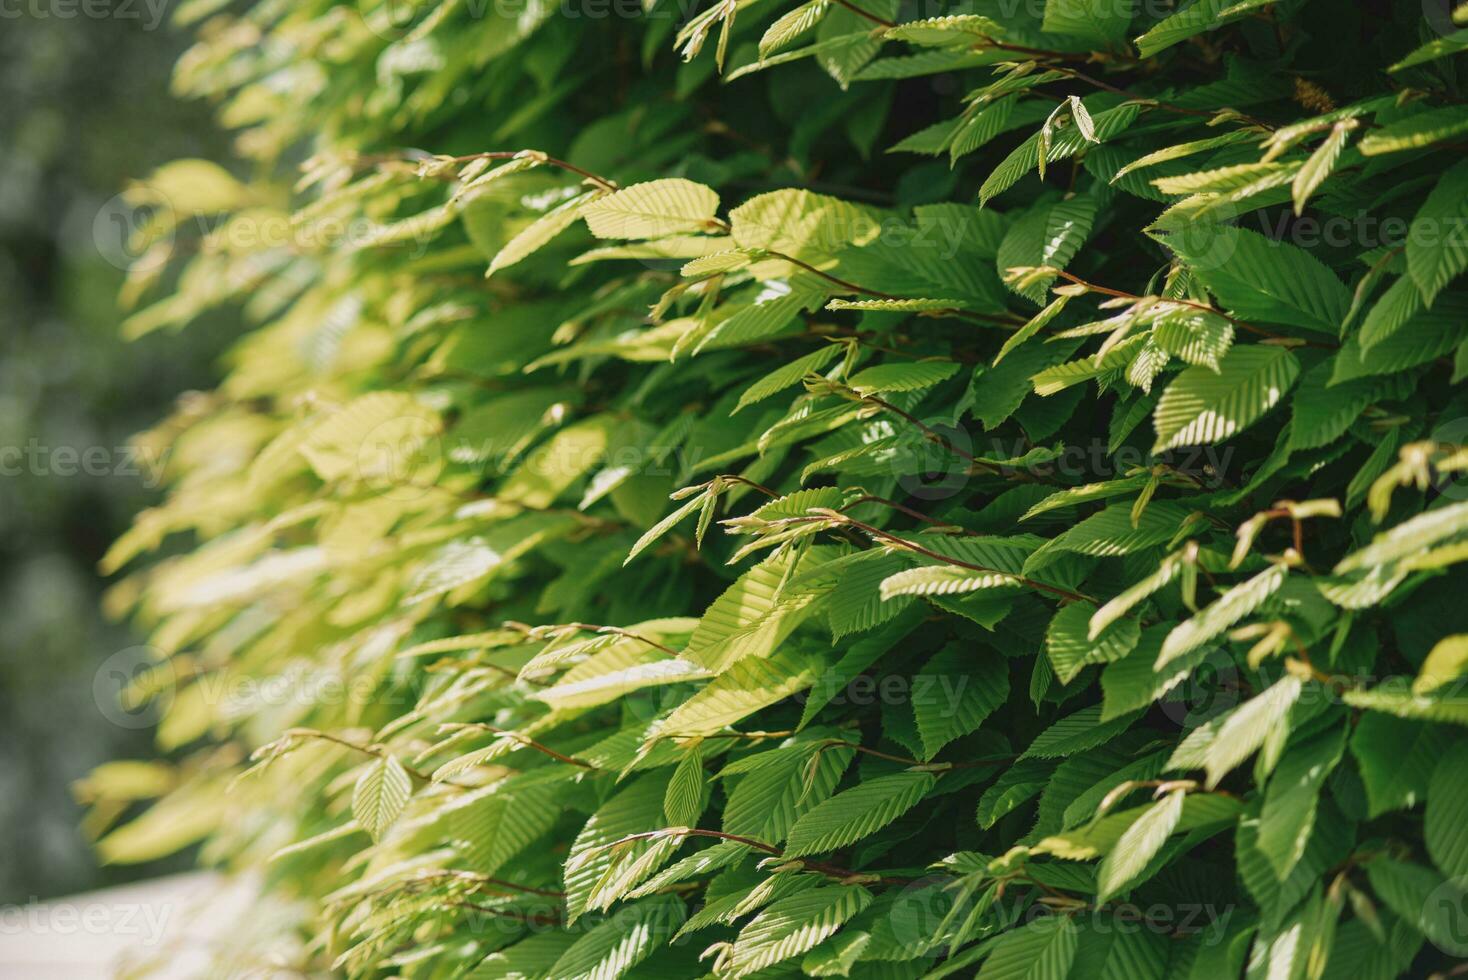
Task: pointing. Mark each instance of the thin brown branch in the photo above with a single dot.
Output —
(530, 743)
(866, 13)
(990, 43)
(868, 498)
(1241, 324)
(830, 870)
(945, 559)
(932, 766)
(374, 750)
(618, 631)
(1159, 103)
(878, 294)
(526, 917)
(604, 182)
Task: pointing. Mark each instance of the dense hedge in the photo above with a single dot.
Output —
(1059, 404)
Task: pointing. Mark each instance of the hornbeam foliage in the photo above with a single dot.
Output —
(826, 489)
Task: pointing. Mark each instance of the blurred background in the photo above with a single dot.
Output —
(84, 107)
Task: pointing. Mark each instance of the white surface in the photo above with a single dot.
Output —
(173, 921)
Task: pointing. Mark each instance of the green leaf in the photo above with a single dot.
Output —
(552, 467)
(540, 232)
(1228, 609)
(663, 526)
(959, 29)
(656, 209)
(858, 812)
(751, 618)
(1425, 900)
(1202, 407)
(1401, 301)
(742, 689)
(1396, 758)
(902, 377)
(1447, 801)
(791, 25)
(636, 808)
(1200, 811)
(787, 375)
(1168, 569)
(490, 826)
(953, 694)
(1319, 166)
(1134, 682)
(1076, 733)
(1070, 646)
(1111, 533)
(1440, 47)
(793, 925)
(1419, 130)
(1437, 242)
(1409, 537)
(1042, 949)
(1033, 326)
(1426, 336)
(1016, 784)
(1193, 335)
(1138, 846)
(784, 785)
(687, 792)
(616, 946)
(942, 580)
(1322, 412)
(1243, 730)
(1292, 798)
(1197, 17)
(1097, 21)
(381, 793)
(1446, 662)
(977, 129)
(1260, 280)
(1067, 143)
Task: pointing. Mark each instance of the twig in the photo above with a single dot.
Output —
(936, 556)
(1242, 325)
(530, 743)
(618, 631)
(831, 870)
(374, 750)
(878, 294)
(1168, 106)
(527, 917)
(867, 14)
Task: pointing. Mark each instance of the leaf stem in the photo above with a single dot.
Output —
(1242, 325)
(867, 14)
(830, 870)
(530, 743)
(878, 294)
(956, 562)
